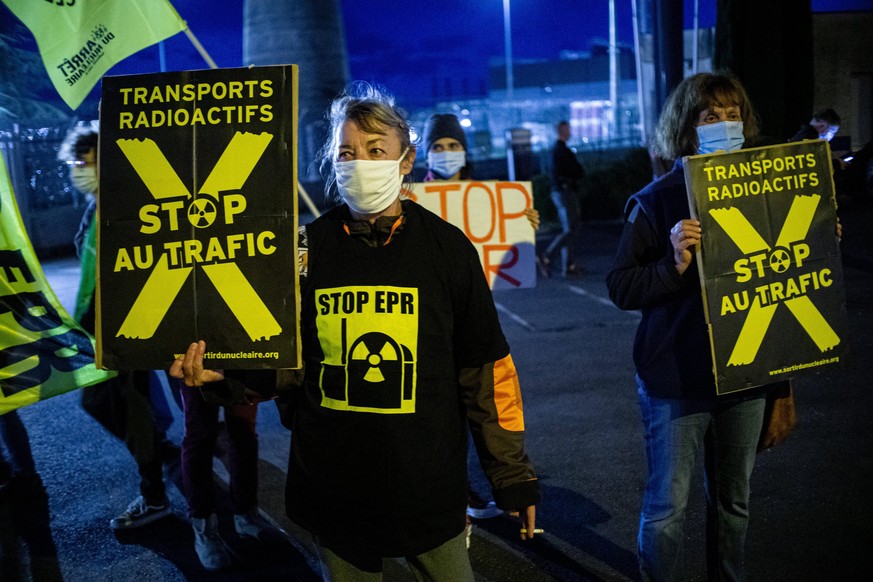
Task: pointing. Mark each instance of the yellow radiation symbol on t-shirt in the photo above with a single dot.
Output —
(369, 337)
(379, 372)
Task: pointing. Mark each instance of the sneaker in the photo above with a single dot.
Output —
(478, 508)
(140, 513)
(253, 525)
(213, 553)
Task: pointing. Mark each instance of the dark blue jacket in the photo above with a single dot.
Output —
(671, 350)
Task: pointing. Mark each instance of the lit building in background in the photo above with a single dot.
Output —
(575, 87)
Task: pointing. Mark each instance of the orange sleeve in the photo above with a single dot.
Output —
(507, 395)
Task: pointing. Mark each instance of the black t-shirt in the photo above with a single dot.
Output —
(378, 452)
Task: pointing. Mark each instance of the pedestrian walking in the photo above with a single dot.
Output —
(566, 174)
(124, 405)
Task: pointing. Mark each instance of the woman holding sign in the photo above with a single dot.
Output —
(446, 145)
(654, 271)
(402, 348)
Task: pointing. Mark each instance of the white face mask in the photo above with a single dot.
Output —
(369, 186)
(447, 163)
(722, 136)
(84, 179)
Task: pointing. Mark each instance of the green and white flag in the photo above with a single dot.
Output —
(43, 352)
(79, 40)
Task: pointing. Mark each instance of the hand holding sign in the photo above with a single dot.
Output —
(684, 235)
(189, 367)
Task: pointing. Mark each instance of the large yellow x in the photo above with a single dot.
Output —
(163, 285)
(744, 235)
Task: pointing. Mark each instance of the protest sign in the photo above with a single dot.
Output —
(43, 352)
(197, 232)
(491, 214)
(769, 262)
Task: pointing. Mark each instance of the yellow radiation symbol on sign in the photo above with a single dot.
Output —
(201, 213)
(780, 261)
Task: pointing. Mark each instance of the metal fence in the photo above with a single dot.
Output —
(50, 207)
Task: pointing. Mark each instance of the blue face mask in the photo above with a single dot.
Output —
(446, 164)
(722, 136)
(830, 133)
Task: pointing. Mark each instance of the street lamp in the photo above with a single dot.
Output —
(507, 45)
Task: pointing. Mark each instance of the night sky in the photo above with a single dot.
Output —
(411, 46)
(424, 50)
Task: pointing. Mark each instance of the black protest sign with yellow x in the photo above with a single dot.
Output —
(197, 218)
(769, 262)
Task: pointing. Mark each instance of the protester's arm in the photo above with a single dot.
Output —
(492, 398)
(642, 274)
(489, 389)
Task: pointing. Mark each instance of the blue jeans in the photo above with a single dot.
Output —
(567, 205)
(676, 431)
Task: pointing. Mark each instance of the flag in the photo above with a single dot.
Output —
(43, 352)
(80, 41)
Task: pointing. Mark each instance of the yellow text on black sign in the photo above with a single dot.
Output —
(761, 261)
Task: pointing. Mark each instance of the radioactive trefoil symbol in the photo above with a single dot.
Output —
(163, 285)
(749, 241)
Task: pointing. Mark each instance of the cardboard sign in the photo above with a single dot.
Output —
(197, 212)
(769, 262)
(491, 214)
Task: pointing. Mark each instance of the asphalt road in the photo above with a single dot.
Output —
(812, 512)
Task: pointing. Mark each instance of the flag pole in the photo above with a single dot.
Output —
(303, 194)
(301, 191)
(200, 48)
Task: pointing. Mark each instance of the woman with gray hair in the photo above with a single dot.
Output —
(402, 348)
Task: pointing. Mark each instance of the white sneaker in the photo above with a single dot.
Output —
(253, 525)
(480, 508)
(212, 551)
